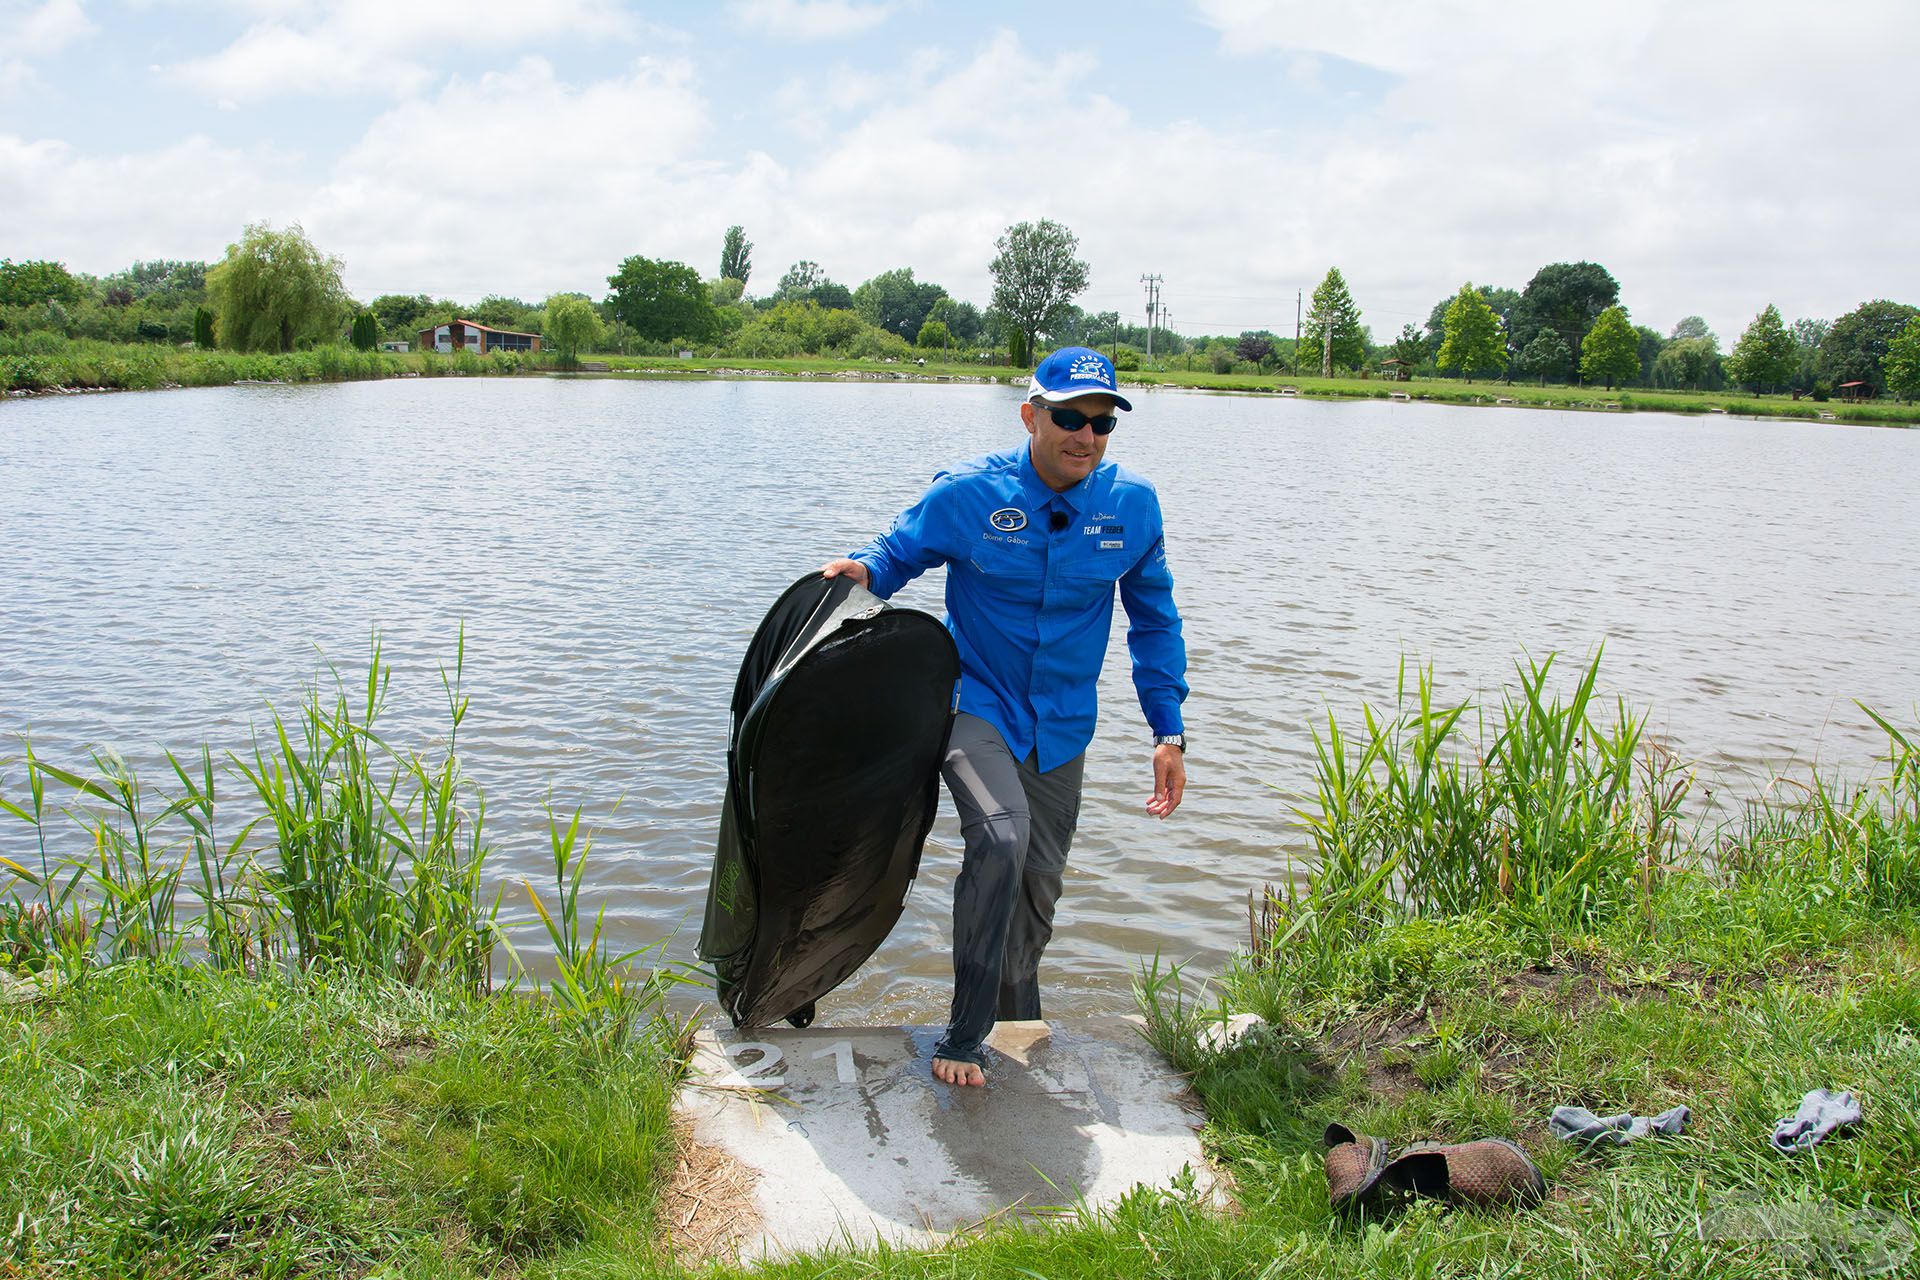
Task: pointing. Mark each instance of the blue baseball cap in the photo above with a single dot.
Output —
(1074, 371)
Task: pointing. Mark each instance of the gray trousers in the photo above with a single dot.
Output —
(1018, 824)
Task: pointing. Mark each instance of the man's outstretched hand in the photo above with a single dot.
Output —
(1169, 779)
(851, 568)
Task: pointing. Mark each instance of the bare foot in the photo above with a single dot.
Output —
(948, 1071)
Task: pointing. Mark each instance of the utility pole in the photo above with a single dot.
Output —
(1153, 303)
(1326, 348)
(1296, 333)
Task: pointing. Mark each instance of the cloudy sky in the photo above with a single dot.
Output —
(1716, 156)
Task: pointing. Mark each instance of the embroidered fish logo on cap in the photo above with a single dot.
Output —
(1090, 368)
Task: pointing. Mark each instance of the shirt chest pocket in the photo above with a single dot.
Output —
(1017, 571)
(1089, 572)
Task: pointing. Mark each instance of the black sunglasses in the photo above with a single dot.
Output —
(1072, 420)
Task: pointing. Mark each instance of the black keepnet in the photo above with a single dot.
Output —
(840, 719)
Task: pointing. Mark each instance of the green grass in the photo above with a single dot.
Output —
(1529, 395)
(272, 1047)
(46, 362)
(43, 362)
(1507, 911)
(188, 1121)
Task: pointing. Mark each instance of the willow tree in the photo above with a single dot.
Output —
(573, 326)
(275, 291)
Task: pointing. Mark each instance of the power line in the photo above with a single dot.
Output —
(1153, 297)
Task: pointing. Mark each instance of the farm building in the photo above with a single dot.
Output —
(471, 335)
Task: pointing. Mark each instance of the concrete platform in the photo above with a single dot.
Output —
(850, 1139)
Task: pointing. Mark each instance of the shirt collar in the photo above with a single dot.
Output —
(1039, 495)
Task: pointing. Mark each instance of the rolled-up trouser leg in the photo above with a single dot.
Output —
(1053, 807)
(985, 783)
(1018, 824)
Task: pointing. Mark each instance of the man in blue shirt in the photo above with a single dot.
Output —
(1035, 540)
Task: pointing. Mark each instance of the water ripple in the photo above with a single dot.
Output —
(180, 558)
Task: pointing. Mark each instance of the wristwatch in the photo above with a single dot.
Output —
(1172, 740)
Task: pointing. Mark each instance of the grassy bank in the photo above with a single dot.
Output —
(1624, 399)
(41, 363)
(85, 365)
(193, 1122)
(74, 365)
(1511, 907)
(278, 1045)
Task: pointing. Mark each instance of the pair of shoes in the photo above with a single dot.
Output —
(1354, 1163)
(1485, 1172)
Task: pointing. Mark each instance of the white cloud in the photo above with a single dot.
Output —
(36, 30)
(1768, 171)
(809, 108)
(372, 47)
(809, 19)
(30, 32)
(913, 181)
(1715, 155)
(189, 199)
(519, 182)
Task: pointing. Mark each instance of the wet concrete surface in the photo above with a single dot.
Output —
(852, 1139)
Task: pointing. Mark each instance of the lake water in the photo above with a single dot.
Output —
(175, 560)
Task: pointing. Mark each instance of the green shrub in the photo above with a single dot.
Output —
(25, 373)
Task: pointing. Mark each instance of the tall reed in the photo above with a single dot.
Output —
(1558, 817)
(1549, 814)
(377, 854)
(365, 858)
(1830, 839)
(594, 991)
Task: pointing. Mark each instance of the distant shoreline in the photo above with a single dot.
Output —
(137, 368)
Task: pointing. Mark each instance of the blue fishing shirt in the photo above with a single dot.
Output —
(1031, 606)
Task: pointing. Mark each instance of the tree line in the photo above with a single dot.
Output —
(274, 290)
(1569, 323)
